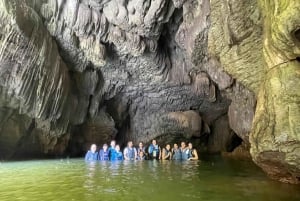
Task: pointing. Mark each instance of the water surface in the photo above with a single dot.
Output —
(214, 179)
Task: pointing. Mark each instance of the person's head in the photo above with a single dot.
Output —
(154, 142)
(93, 148)
(168, 147)
(175, 146)
(105, 147)
(117, 147)
(141, 145)
(113, 143)
(130, 144)
(183, 145)
(190, 145)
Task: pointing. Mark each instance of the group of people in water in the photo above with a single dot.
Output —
(153, 152)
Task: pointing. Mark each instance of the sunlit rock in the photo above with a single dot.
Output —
(275, 138)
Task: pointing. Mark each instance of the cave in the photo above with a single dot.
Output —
(74, 73)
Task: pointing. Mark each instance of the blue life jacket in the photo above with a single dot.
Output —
(185, 154)
(153, 151)
(130, 153)
(176, 154)
(112, 154)
(119, 156)
(90, 156)
(104, 156)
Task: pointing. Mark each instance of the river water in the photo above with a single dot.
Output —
(212, 179)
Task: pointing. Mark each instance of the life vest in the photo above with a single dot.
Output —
(153, 151)
(191, 153)
(104, 155)
(141, 158)
(90, 156)
(185, 154)
(176, 154)
(112, 153)
(130, 153)
(119, 156)
(167, 152)
(116, 155)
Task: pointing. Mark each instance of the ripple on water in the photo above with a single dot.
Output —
(211, 180)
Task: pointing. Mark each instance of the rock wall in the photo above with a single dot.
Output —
(75, 72)
(275, 137)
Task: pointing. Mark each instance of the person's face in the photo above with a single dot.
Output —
(182, 144)
(93, 148)
(113, 143)
(175, 146)
(117, 148)
(104, 147)
(141, 154)
(154, 142)
(141, 144)
(168, 147)
(190, 145)
(130, 144)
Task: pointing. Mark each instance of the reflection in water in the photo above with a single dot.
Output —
(90, 183)
(209, 180)
(91, 168)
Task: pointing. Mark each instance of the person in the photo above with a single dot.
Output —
(193, 155)
(141, 156)
(154, 151)
(184, 151)
(176, 152)
(104, 153)
(118, 155)
(141, 148)
(166, 153)
(130, 152)
(92, 154)
(112, 150)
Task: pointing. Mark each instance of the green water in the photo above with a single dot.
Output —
(214, 179)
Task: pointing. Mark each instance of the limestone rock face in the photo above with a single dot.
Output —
(241, 111)
(235, 38)
(76, 72)
(91, 71)
(275, 137)
(20, 137)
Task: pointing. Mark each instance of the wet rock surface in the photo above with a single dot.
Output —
(80, 72)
